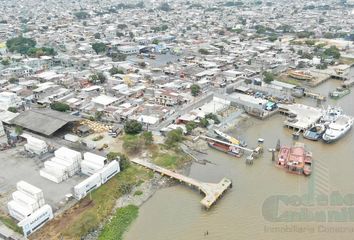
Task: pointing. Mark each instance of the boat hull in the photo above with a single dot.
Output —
(224, 149)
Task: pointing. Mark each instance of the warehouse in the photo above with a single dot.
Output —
(45, 122)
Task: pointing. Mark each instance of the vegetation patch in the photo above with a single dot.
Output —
(119, 223)
(10, 223)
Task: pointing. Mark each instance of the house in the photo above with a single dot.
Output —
(104, 101)
(9, 99)
(167, 98)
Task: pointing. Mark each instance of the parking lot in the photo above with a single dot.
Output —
(16, 166)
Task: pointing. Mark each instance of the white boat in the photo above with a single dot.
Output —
(331, 114)
(338, 128)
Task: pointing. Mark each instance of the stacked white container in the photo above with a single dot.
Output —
(65, 164)
(26, 200)
(86, 186)
(35, 145)
(92, 163)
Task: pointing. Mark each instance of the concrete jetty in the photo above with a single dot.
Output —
(212, 191)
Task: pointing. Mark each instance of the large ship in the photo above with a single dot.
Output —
(295, 159)
(338, 128)
(226, 148)
(330, 115)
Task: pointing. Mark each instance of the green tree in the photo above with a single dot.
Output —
(213, 117)
(12, 109)
(268, 77)
(174, 137)
(18, 130)
(20, 44)
(59, 106)
(204, 122)
(203, 51)
(155, 41)
(13, 80)
(195, 90)
(332, 51)
(147, 137)
(165, 7)
(97, 36)
(99, 47)
(118, 57)
(272, 38)
(133, 127)
(115, 70)
(82, 15)
(98, 115)
(123, 159)
(5, 62)
(190, 126)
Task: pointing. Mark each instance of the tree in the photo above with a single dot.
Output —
(268, 77)
(98, 115)
(174, 137)
(203, 51)
(98, 78)
(13, 80)
(81, 15)
(99, 47)
(97, 36)
(155, 41)
(132, 127)
(195, 90)
(20, 44)
(272, 38)
(213, 117)
(18, 130)
(204, 122)
(12, 109)
(5, 62)
(332, 51)
(59, 106)
(147, 137)
(118, 57)
(115, 70)
(190, 126)
(123, 159)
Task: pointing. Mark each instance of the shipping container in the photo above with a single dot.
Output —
(109, 171)
(30, 190)
(18, 210)
(71, 138)
(66, 153)
(36, 220)
(69, 168)
(26, 200)
(50, 175)
(86, 186)
(89, 168)
(94, 158)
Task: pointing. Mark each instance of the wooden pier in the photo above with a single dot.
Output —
(212, 191)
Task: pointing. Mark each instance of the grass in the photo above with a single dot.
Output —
(170, 159)
(10, 223)
(138, 193)
(123, 217)
(103, 201)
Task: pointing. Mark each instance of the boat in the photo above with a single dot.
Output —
(330, 115)
(315, 132)
(339, 93)
(338, 128)
(230, 139)
(295, 159)
(300, 75)
(229, 149)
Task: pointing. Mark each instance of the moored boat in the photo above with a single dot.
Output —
(315, 132)
(230, 139)
(232, 150)
(338, 128)
(295, 159)
(339, 93)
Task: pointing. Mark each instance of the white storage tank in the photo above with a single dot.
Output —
(97, 159)
(86, 186)
(25, 200)
(30, 190)
(109, 171)
(18, 211)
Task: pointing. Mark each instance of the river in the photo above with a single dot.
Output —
(246, 211)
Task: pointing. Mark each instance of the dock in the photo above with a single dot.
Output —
(305, 116)
(212, 191)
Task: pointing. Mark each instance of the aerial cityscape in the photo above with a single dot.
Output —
(176, 119)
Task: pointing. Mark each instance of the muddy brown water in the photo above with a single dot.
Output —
(252, 209)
